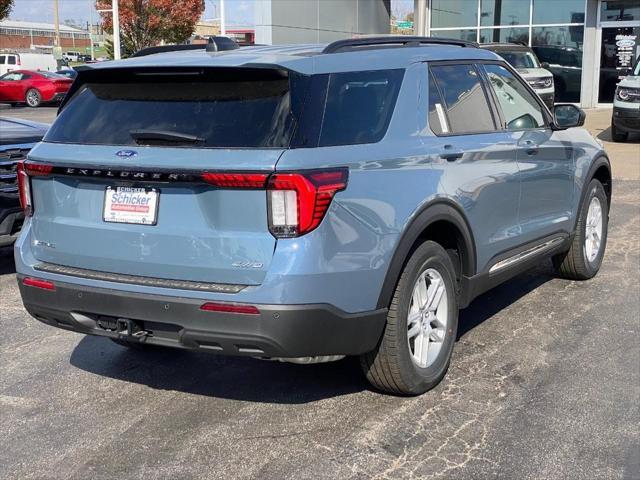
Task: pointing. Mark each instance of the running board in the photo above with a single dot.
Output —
(543, 247)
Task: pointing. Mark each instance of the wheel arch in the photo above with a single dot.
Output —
(600, 170)
(443, 222)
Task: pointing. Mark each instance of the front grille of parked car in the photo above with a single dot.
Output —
(541, 82)
(8, 164)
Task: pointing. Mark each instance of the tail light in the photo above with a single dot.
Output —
(26, 170)
(299, 201)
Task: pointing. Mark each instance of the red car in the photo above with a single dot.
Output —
(33, 88)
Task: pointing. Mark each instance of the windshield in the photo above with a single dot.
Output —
(520, 59)
(50, 75)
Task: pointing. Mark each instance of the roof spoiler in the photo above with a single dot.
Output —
(215, 44)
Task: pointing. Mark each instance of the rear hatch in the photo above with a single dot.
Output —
(143, 174)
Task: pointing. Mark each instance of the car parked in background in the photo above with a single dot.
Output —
(304, 202)
(33, 88)
(565, 63)
(17, 137)
(11, 61)
(68, 72)
(626, 106)
(522, 58)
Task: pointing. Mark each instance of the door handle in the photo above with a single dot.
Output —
(449, 154)
(530, 147)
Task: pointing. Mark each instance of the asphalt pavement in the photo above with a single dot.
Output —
(544, 384)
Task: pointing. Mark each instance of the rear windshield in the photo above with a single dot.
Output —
(266, 109)
(253, 113)
(519, 58)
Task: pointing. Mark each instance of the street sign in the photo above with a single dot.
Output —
(405, 24)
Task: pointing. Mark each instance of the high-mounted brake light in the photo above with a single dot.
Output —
(236, 180)
(230, 308)
(24, 171)
(299, 201)
(37, 283)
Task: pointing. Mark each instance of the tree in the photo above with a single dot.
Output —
(145, 23)
(5, 8)
(126, 49)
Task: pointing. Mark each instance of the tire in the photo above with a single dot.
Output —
(617, 135)
(33, 98)
(393, 367)
(580, 263)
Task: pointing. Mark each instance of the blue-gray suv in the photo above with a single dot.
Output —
(304, 202)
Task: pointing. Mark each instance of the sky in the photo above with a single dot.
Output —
(238, 12)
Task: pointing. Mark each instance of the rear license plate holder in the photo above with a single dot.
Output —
(132, 205)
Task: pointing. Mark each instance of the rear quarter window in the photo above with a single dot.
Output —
(359, 106)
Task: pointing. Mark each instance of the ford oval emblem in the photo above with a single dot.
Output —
(626, 43)
(126, 153)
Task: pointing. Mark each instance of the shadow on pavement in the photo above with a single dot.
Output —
(236, 378)
(605, 136)
(248, 379)
(489, 304)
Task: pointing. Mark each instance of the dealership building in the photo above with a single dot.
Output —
(588, 44)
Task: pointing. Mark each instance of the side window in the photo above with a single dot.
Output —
(359, 106)
(437, 117)
(11, 59)
(2, 59)
(519, 107)
(466, 106)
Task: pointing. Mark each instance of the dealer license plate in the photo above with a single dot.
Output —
(131, 205)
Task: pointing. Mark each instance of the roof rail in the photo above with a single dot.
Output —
(390, 41)
(215, 44)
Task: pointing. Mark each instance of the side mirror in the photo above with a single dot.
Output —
(567, 115)
(545, 65)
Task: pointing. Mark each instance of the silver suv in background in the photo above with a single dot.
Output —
(529, 67)
(626, 106)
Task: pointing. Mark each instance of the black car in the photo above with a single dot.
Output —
(16, 139)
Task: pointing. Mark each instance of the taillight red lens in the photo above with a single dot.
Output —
(230, 308)
(24, 171)
(299, 201)
(236, 180)
(37, 283)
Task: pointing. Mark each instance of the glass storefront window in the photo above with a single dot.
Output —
(619, 10)
(504, 12)
(469, 34)
(561, 48)
(454, 13)
(619, 50)
(502, 35)
(558, 11)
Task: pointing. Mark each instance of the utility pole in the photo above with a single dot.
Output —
(56, 21)
(223, 27)
(91, 6)
(116, 29)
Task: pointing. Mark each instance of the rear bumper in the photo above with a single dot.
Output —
(626, 119)
(277, 331)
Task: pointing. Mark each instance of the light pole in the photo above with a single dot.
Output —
(116, 29)
(223, 27)
(115, 13)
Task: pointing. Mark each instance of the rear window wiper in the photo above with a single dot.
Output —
(163, 137)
